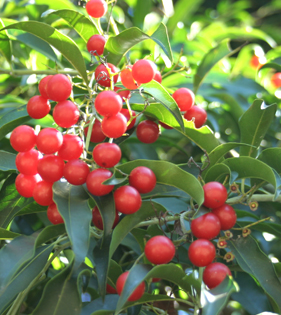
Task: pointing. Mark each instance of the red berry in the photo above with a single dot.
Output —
(137, 293)
(215, 195)
(114, 126)
(184, 97)
(95, 179)
(164, 125)
(49, 140)
(59, 88)
(26, 162)
(197, 114)
(143, 179)
(155, 279)
(53, 214)
(147, 131)
(159, 250)
(43, 193)
(201, 252)
(110, 289)
(42, 87)
(158, 76)
(126, 113)
(96, 8)
(66, 114)
(72, 147)
(214, 274)
(102, 75)
(207, 226)
(144, 71)
(127, 199)
(38, 107)
(276, 79)
(125, 94)
(23, 138)
(76, 172)
(95, 45)
(97, 134)
(26, 183)
(108, 103)
(127, 79)
(255, 62)
(226, 215)
(97, 218)
(50, 168)
(107, 154)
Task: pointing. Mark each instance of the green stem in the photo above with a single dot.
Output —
(157, 221)
(27, 72)
(258, 197)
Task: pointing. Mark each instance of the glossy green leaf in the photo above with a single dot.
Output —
(61, 42)
(60, 296)
(254, 125)
(7, 161)
(58, 4)
(7, 235)
(217, 172)
(101, 306)
(216, 54)
(253, 261)
(169, 174)
(272, 157)
(271, 65)
(72, 202)
(268, 227)
(81, 23)
(5, 47)
(13, 118)
(117, 46)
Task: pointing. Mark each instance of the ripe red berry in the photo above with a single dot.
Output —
(95, 45)
(114, 126)
(276, 79)
(23, 138)
(97, 134)
(95, 179)
(159, 250)
(197, 114)
(53, 214)
(66, 114)
(50, 168)
(137, 293)
(158, 76)
(72, 147)
(201, 252)
(102, 75)
(143, 179)
(125, 94)
(207, 226)
(215, 195)
(26, 183)
(184, 97)
(214, 274)
(147, 131)
(255, 62)
(76, 172)
(226, 215)
(49, 140)
(108, 103)
(97, 218)
(42, 87)
(126, 113)
(26, 162)
(110, 289)
(43, 193)
(38, 107)
(127, 199)
(107, 154)
(127, 79)
(96, 8)
(58, 88)
(164, 125)
(144, 71)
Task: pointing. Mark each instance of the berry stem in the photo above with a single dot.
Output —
(46, 72)
(252, 224)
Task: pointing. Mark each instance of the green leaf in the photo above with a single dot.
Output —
(117, 46)
(216, 54)
(213, 301)
(102, 306)
(80, 23)
(6, 47)
(272, 157)
(13, 118)
(167, 104)
(271, 65)
(60, 296)
(72, 202)
(58, 4)
(61, 42)
(217, 172)
(7, 161)
(253, 261)
(254, 125)
(7, 235)
(170, 174)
